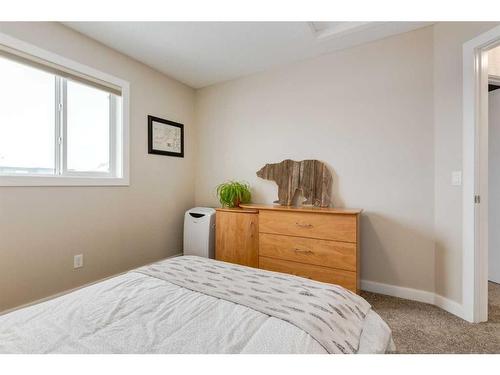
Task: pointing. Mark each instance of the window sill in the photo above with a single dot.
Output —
(62, 181)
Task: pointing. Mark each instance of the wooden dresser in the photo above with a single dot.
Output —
(316, 243)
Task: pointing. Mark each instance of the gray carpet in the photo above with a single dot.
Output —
(421, 328)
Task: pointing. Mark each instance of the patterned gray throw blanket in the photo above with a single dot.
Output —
(330, 314)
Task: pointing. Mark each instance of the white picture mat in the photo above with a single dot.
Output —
(166, 137)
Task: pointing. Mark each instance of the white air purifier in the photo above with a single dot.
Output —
(199, 232)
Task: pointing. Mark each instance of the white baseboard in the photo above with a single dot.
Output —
(398, 291)
(449, 305)
(78, 287)
(444, 303)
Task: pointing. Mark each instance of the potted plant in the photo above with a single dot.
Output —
(232, 193)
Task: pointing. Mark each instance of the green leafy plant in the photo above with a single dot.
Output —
(232, 193)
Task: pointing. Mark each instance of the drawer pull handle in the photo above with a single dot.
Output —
(303, 251)
(304, 225)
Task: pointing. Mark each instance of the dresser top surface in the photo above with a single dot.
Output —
(319, 210)
(243, 210)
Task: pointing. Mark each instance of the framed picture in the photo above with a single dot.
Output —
(165, 137)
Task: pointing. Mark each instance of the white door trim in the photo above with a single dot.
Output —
(475, 177)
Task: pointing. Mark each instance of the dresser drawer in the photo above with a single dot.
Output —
(347, 279)
(309, 250)
(336, 227)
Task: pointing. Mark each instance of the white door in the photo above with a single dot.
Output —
(494, 186)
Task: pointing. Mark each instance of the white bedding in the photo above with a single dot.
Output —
(135, 313)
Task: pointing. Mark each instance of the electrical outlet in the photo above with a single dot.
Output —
(78, 261)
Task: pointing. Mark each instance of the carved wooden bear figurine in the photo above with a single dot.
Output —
(312, 177)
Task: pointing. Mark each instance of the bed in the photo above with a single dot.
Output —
(164, 308)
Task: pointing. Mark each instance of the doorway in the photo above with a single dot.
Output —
(494, 166)
(477, 74)
(493, 182)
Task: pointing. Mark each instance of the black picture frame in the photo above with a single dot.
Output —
(151, 150)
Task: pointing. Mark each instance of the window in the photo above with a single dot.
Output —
(59, 126)
(27, 120)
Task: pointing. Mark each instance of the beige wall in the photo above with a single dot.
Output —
(367, 113)
(494, 62)
(449, 38)
(116, 228)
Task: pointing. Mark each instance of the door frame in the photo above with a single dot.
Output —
(475, 175)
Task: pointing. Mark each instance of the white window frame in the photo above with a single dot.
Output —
(119, 135)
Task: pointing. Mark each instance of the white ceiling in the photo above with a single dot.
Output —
(203, 53)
